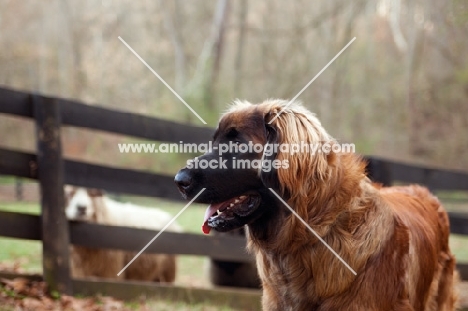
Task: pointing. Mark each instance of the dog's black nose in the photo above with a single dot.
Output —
(81, 209)
(183, 180)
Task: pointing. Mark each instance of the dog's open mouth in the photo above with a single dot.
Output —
(226, 215)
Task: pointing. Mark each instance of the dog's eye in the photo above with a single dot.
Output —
(232, 133)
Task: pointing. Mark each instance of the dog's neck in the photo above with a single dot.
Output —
(330, 204)
(335, 210)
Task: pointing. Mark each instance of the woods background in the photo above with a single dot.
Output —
(400, 90)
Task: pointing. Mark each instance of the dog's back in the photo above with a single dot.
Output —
(411, 267)
(432, 264)
(128, 214)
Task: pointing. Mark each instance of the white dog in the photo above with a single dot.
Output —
(90, 205)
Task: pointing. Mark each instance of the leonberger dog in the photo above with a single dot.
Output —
(395, 239)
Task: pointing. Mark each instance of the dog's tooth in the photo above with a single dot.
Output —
(236, 201)
(242, 197)
(231, 205)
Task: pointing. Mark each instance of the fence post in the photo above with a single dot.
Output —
(379, 171)
(55, 234)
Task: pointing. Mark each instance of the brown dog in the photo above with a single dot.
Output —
(396, 239)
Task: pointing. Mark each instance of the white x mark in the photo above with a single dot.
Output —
(313, 231)
(160, 232)
(161, 79)
(313, 79)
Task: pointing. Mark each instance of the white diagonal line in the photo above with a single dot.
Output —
(159, 233)
(161, 79)
(313, 79)
(313, 231)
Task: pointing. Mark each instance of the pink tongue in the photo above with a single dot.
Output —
(208, 213)
(205, 228)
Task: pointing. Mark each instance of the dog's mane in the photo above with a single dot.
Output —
(329, 191)
(310, 176)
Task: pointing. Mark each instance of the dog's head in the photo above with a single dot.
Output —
(252, 152)
(79, 204)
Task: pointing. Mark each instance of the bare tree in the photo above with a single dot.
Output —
(208, 64)
(240, 46)
(395, 13)
(176, 40)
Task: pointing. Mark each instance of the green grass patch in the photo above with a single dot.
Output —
(21, 207)
(27, 255)
(452, 195)
(23, 253)
(459, 247)
(7, 180)
(190, 220)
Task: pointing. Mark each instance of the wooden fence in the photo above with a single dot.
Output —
(52, 171)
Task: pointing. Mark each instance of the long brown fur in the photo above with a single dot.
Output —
(396, 238)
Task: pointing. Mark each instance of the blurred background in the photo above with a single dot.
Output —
(400, 90)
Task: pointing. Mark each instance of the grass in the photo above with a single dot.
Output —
(20, 207)
(23, 253)
(459, 247)
(7, 180)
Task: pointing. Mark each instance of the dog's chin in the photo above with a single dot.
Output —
(233, 213)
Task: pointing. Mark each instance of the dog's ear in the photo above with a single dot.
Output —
(268, 174)
(300, 169)
(93, 192)
(68, 190)
(270, 162)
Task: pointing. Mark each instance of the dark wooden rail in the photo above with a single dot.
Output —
(23, 226)
(74, 113)
(112, 179)
(388, 172)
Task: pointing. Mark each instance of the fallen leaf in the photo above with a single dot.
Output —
(18, 285)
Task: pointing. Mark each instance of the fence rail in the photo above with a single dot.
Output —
(112, 179)
(51, 171)
(74, 113)
(24, 226)
(387, 172)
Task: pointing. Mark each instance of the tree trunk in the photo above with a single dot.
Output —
(217, 35)
(240, 47)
